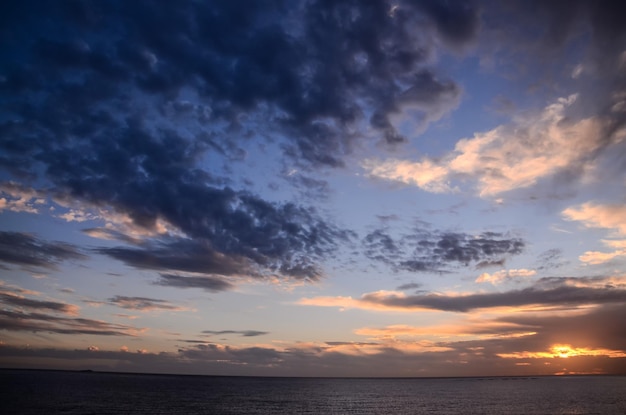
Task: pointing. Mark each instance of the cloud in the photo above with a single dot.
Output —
(207, 283)
(123, 154)
(239, 234)
(508, 157)
(309, 187)
(27, 250)
(505, 275)
(110, 234)
(497, 347)
(12, 300)
(18, 198)
(594, 215)
(550, 259)
(409, 286)
(595, 257)
(602, 81)
(491, 263)
(244, 333)
(604, 328)
(607, 216)
(545, 293)
(38, 322)
(143, 303)
(446, 332)
(257, 239)
(20, 313)
(424, 250)
(185, 255)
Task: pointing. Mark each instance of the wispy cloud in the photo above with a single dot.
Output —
(606, 216)
(27, 250)
(505, 275)
(550, 293)
(595, 215)
(143, 304)
(508, 157)
(20, 302)
(38, 322)
(207, 283)
(244, 333)
(425, 250)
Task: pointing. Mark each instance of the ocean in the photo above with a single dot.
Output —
(58, 392)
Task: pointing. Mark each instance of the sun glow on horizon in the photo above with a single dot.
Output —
(563, 351)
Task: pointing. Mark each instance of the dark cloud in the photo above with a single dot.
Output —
(237, 234)
(315, 67)
(409, 286)
(596, 281)
(603, 334)
(456, 22)
(111, 234)
(432, 251)
(37, 322)
(550, 259)
(380, 246)
(207, 283)
(18, 313)
(13, 300)
(604, 327)
(352, 344)
(488, 264)
(185, 255)
(561, 293)
(260, 356)
(560, 20)
(309, 187)
(244, 333)
(27, 250)
(387, 218)
(142, 303)
(119, 105)
(547, 32)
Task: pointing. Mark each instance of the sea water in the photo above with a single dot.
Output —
(57, 392)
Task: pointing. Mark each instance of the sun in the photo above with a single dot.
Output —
(563, 351)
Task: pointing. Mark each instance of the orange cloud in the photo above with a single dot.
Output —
(508, 157)
(592, 215)
(478, 329)
(19, 198)
(366, 302)
(563, 351)
(596, 257)
(504, 275)
(547, 293)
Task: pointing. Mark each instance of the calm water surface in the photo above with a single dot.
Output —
(50, 392)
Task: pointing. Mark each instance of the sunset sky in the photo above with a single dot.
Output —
(313, 188)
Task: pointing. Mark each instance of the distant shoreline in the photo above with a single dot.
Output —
(486, 378)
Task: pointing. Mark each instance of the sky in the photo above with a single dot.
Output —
(313, 187)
